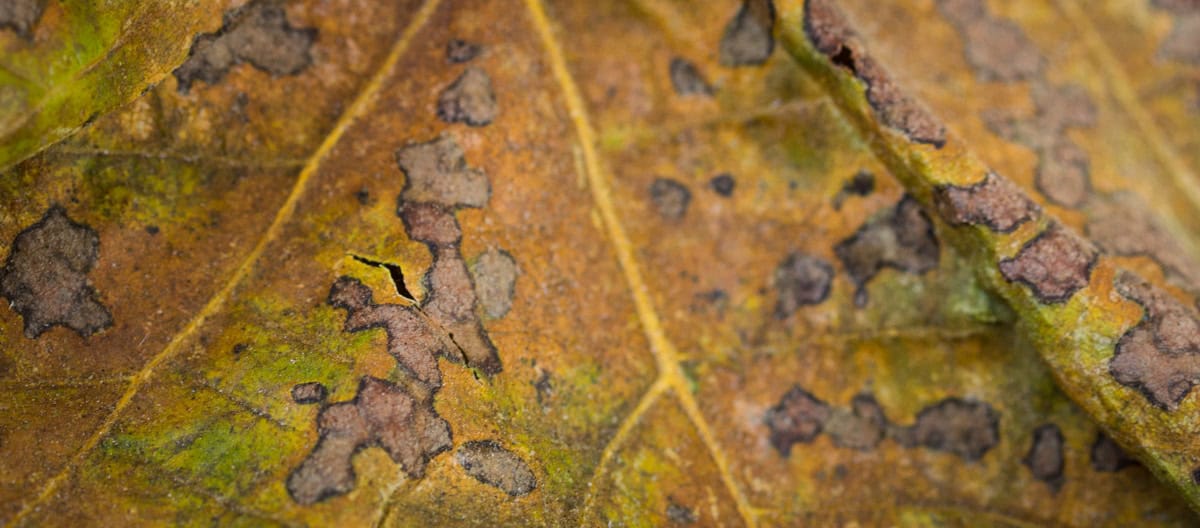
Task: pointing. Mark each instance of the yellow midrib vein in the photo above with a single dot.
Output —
(670, 374)
(361, 102)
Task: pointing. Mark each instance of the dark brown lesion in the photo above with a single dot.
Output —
(45, 277)
(801, 280)
(748, 39)
(829, 31)
(996, 48)
(438, 183)
(686, 78)
(1054, 265)
(1064, 168)
(1160, 356)
(399, 416)
(901, 238)
(1108, 457)
(21, 15)
(382, 414)
(257, 33)
(995, 202)
(1045, 456)
(670, 198)
(964, 428)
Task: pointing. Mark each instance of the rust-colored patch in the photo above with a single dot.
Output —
(901, 238)
(748, 38)
(687, 79)
(996, 48)
(801, 280)
(1055, 264)
(381, 414)
(1045, 456)
(257, 33)
(45, 276)
(828, 30)
(490, 463)
(1160, 356)
(21, 15)
(995, 202)
(1108, 457)
(1063, 172)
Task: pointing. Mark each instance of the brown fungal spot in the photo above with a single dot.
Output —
(21, 15)
(797, 418)
(439, 181)
(861, 184)
(670, 198)
(995, 202)
(1045, 456)
(828, 30)
(430, 223)
(679, 514)
(309, 393)
(45, 276)
(495, 273)
(1055, 264)
(411, 341)
(801, 280)
(1063, 171)
(469, 99)
(257, 33)
(437, 172)
(748, 38)
(382, 415)
(687, 79)
(961, 427)
(1160, 356)
(459, 51)
(862, 428)
(996, 48)
(722, 184)
(964, 428)
(493, 465)
(1123, 224)
(901, 238)
(1108, 457)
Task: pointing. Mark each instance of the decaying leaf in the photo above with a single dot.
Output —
(630, 263)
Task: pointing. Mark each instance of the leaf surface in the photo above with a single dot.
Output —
(639, 263)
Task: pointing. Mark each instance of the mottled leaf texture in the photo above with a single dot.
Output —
(620, 263)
